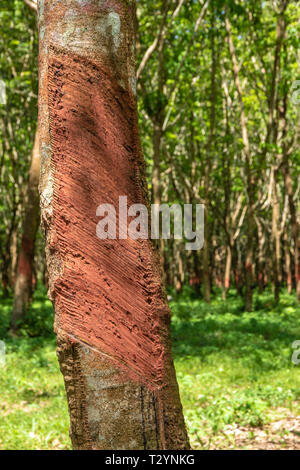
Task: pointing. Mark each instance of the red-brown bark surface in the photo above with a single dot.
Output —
(96, 160)
(111, 316)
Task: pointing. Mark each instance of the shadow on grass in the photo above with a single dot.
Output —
(39, 318)
(262, 338)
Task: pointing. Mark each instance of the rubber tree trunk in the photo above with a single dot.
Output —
(227, 273)
(111, 317)
(287, 257)
(276, 248)
(249, 177)
(209, 158)
(261, 264)
(156, 184)
(23, 282)
(294, 222)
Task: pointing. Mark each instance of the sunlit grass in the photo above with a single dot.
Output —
(233, 368)
(33, 404)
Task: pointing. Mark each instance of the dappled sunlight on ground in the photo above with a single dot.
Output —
(238, 385)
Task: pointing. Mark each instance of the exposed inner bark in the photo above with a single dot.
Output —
(111, 316)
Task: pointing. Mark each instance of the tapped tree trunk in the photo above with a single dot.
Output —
(249, 177)
(112, 320)
(261, 263)
(288, 270)
(23, 282)
(276, 239)
(294, 222)
(212, 121)
(227, 272)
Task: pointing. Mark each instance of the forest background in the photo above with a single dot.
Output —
(219, 100)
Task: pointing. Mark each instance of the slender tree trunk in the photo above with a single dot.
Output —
(261, 257)
(5, 274)
(227, 271)
(276, 239)
(272, 137)
(294, 222)
(249, 178)
(238, 270)
(111, 317)
(206, 259)
(288, 270)
(14, 257)
(209, 158)
(249, 257)
(157, 187)
(23, 282)
(179, 267)
(6, 255)
(158, 120)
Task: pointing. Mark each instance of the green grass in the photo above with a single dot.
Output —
(234, 368)
(34, 412)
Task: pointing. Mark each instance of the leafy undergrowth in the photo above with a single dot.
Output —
(238, 385)
(235, 370)
(33, 407)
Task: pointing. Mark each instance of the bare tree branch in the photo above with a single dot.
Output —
(31, 4)
(197, 26)
(154, 45)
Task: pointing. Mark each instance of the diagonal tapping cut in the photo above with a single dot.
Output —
(107, 294)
